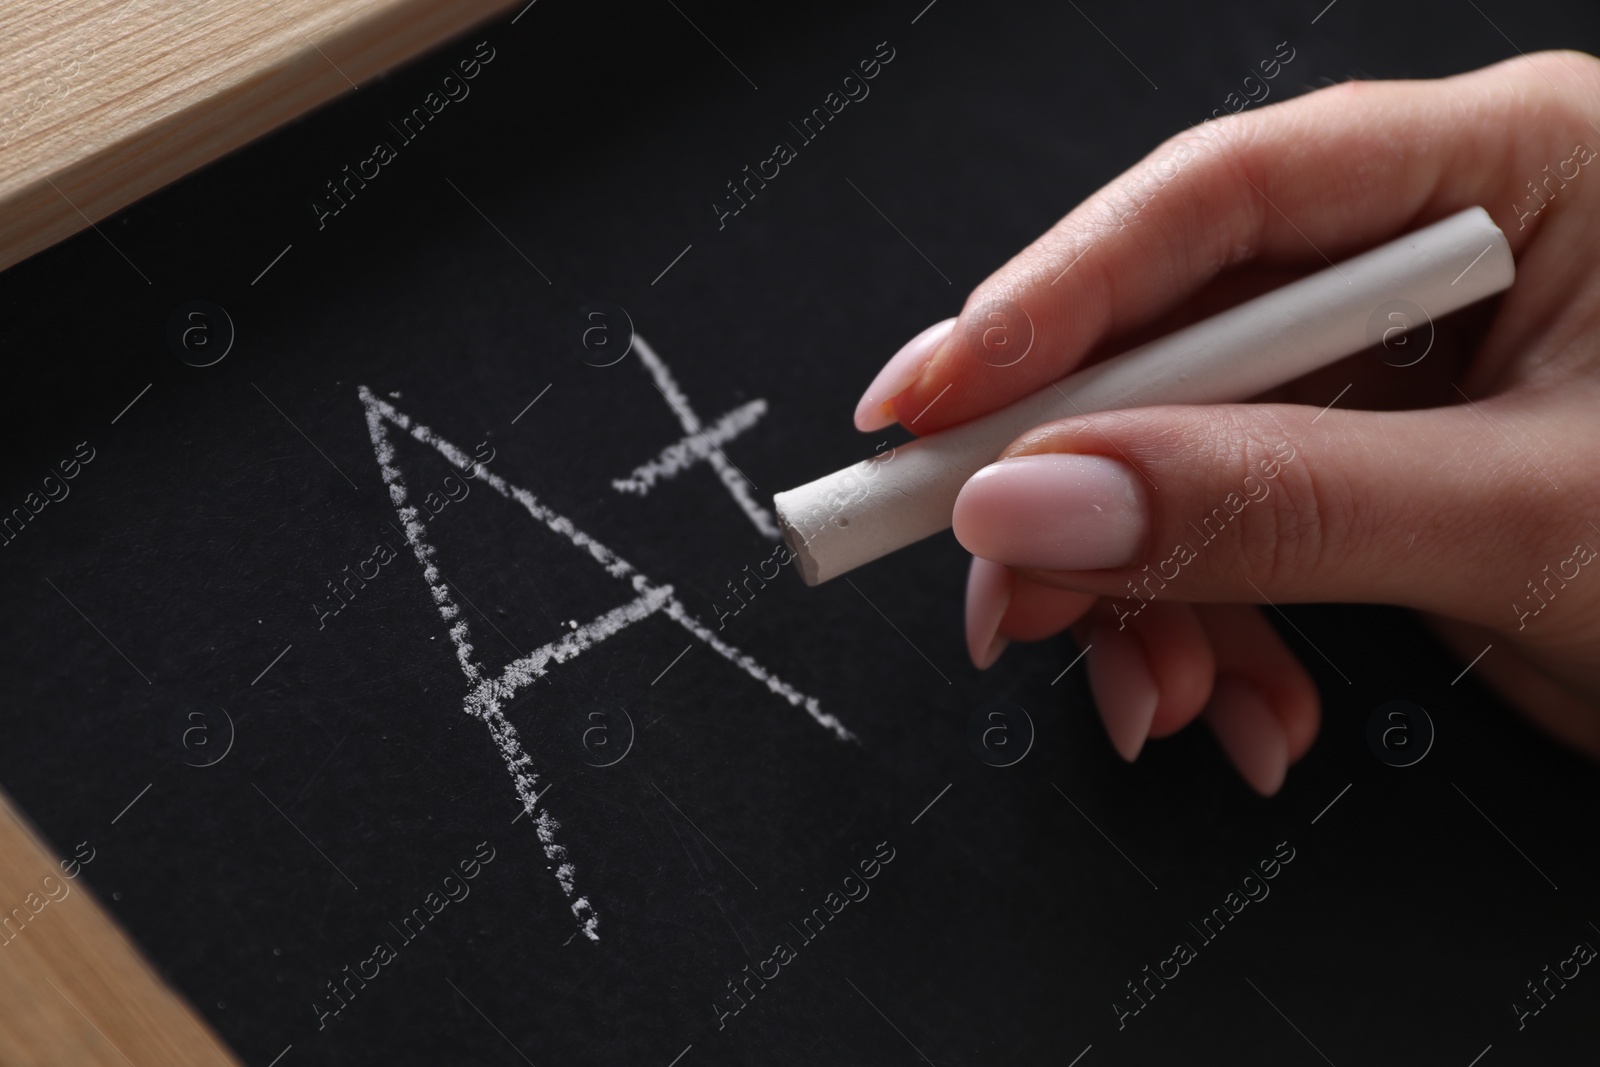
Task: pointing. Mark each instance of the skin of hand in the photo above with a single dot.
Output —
(1464, 485)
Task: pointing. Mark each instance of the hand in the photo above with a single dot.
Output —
(1465, 485)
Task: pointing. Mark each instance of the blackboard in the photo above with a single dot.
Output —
(298, 748)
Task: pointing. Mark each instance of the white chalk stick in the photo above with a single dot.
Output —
(864, 512)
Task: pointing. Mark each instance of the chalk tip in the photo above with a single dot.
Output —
(805, 562)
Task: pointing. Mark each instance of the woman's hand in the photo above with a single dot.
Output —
(1464, 484)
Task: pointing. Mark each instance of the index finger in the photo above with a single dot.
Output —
(1304, 183)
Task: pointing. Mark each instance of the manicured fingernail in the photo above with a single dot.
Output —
(1053, 511)
(1249, 733)
(988, 596)
(1124, 689)
(872, 410)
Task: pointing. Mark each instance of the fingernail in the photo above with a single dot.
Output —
(988, 596)
(1054, 511)
(872, 410)
(1249, 734)
(1124, 689)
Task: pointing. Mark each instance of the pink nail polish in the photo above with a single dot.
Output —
(1249, 733)
(1124, 689)
(872, 410)
(988, 596)
(1055, 511)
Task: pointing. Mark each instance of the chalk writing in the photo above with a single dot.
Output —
(698, 443)
(489, 694)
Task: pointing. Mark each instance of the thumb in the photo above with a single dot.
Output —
(1429, 509)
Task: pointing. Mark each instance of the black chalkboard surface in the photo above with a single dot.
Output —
(390, 520)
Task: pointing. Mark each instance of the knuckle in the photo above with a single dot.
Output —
(1313, 519)
(1568, 60)
(1294, 520)
(1216, 148)
(1221, 174)
(1564, 83)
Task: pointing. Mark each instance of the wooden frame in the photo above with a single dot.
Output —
(105, 101)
